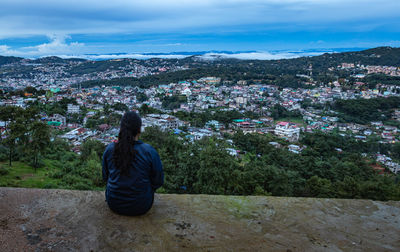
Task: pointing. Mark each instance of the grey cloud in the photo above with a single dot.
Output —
(27, 17)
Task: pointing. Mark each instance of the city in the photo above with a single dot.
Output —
(308, 109)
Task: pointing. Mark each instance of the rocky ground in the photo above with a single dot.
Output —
(63, 220)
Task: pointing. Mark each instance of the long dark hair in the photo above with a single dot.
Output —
(124, 152)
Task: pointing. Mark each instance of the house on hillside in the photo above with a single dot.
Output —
(57, 120)
(287, 130)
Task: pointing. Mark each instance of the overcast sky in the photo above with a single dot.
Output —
(32, 28)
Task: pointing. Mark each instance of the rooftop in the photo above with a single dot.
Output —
(64, 220)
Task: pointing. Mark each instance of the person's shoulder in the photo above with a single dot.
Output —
(109, 148)
(147, 147)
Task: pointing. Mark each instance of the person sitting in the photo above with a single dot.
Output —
(132, 170)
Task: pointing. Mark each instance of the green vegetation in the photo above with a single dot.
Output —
(22, 175)
(373, 79)
(279, 112)
(364, 111)
(199, 119)
(173, 102)
(61, 168)
(9, 59)
(319, 171)
(206, 167)
(111, 115)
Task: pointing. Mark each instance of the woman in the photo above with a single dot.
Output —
(132, 169)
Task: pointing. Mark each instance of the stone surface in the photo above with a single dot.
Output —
(62, 220)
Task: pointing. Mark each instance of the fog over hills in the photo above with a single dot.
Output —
(210, 55)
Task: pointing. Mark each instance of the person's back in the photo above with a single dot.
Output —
(132, 169)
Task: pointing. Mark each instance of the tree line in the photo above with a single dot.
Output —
(329, 166)
(261, 169)
(364, 111)
(24, 134)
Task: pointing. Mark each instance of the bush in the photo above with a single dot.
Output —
(3, 153)
(39, 164)
(4, 171)
(82, 186)
(50, 186)
(56, 174)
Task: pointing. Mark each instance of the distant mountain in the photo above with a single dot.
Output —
(55, 59)
(387, 56)
(279, 67)
(283, 72)
(213, 55)
(9, 59)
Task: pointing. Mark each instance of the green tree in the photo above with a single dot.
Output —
(215, 172)
(89, 146)
(348, 188)
(120, 107)
(15, 135)
(92, 170)
(319, 187)
(39, 140)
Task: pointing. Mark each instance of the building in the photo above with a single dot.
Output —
(163, 121)
(210, 80)
(214, 124)
(73, 109)
(57, 120)
(288, 130)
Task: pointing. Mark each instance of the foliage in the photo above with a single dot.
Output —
(90, 146)
(145, 109)
(120, 107)
(319, 171)
(199, 119)
(363, 111)
(141, 97)
(39, 140)
(373, 79)
(25, 133)
(261, 169)
(278, 111)
(173, 102)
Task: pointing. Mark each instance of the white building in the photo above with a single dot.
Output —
(163, 121)
(186, 91)
(73, 109)
(294, 148)
(288, 130)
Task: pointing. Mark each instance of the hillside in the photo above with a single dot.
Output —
(281, 72)
(9, 59)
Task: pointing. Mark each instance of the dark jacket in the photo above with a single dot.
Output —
(133, 194)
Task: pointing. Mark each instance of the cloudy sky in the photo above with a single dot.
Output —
(32, 28)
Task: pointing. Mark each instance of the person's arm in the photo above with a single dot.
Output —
(104, 166)
(156, 173)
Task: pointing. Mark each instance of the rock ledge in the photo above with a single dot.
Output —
(64, 220)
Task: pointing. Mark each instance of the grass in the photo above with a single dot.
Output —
(23, 175)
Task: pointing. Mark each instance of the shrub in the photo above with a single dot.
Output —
(4, 171)
(82, 186)
(3, 153)
(50, 186)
